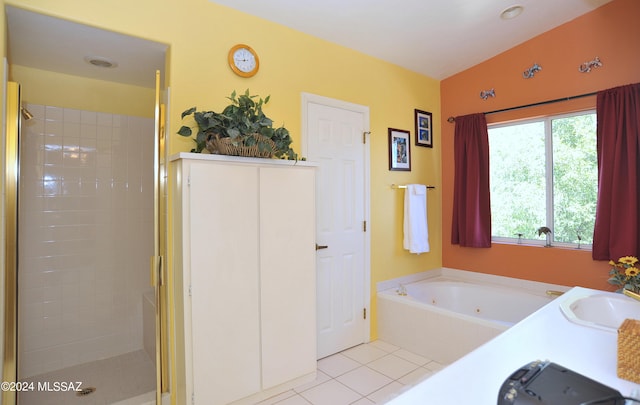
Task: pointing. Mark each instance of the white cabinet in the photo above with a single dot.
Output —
(244, 274)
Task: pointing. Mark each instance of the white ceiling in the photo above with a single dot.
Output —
(437, 38)
(48, 43)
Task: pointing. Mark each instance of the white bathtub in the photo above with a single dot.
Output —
(448, 313)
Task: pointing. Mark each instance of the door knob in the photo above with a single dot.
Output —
(318, 247)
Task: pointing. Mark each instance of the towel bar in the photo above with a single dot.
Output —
(397, 186)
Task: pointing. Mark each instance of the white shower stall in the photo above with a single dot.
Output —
(85, 236)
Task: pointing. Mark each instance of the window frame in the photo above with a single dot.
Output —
(548, 172)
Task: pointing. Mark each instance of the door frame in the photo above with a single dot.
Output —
(308, 98)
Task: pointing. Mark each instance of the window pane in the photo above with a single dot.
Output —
(517, 179)
(575, 178)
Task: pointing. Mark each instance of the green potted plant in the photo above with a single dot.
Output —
(241, 129)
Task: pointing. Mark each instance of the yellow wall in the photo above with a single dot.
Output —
(56, 89)
(200, 34)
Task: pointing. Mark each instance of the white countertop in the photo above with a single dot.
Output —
(545, 335)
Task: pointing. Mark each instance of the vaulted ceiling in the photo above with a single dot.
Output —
(437, 38)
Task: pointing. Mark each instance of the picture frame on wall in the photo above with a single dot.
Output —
(399, 149)
(424, 128)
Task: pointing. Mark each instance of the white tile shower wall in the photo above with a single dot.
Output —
(86, 223)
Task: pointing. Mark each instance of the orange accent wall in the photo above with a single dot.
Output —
(610, 32)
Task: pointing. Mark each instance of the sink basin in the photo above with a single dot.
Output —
(602, 311)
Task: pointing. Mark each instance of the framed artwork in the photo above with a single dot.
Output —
(399, 150)
(424, 129)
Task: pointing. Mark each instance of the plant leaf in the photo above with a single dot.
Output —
(185, 131)
(201, 138)
(188, 112)
(233, 133)
(250, 141)
(263, 146)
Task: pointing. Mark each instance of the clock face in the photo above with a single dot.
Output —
(243, 60)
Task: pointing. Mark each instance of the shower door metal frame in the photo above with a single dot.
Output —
(11, 182)
(158, 265)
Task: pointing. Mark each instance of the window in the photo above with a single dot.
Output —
(543, 173)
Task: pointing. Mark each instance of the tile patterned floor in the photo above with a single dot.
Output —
(371, 373)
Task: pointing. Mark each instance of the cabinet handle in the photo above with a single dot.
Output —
(318, 247)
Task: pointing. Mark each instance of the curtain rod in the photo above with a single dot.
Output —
(452, 119)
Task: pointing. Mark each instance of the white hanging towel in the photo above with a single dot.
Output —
(416, 229)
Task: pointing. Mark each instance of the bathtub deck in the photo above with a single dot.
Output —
(447, 313)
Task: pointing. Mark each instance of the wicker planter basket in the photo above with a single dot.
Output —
(225, 146)
(629, 350)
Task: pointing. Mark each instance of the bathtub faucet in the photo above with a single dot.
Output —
(631, 294)
(402, 290)
(554, 293)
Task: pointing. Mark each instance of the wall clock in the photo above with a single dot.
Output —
(243, 60)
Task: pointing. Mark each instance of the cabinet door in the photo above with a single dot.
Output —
(223, 215)
(287, 273)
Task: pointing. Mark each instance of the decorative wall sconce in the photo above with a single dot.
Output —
(587, 66)
(487, 93)
(528, 74)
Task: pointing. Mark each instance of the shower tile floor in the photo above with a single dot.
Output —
(115, 379)
(371, 373)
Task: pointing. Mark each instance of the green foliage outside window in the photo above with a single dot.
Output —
(519, 162)
(575, 177)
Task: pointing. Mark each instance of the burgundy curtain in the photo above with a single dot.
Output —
(471, 225)
(617, 227)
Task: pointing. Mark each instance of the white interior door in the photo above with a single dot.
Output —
(335, 142)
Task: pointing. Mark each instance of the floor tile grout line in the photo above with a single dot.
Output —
(428, 374)
(381, 388)
(371, 393)
(351, 389)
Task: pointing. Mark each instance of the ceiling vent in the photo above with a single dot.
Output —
(511, 12)
(99, 61)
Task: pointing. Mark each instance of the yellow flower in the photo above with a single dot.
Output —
(612, 263)
(632, 272)
(628, 260)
